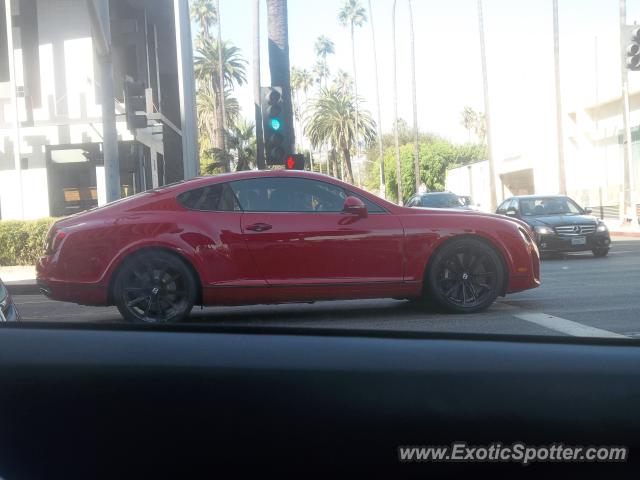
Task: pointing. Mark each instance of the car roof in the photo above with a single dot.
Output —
(427, 194)
(537, 196)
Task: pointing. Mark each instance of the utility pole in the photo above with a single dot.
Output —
(256, 86)
(562, 179)
(628, 207)
(485, 84)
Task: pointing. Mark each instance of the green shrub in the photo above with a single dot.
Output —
(22, 242)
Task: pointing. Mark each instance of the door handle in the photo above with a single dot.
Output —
(259, 227)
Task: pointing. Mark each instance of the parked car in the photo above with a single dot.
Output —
(276, 237)
(559, 223)
(8, 310)
(438, 200)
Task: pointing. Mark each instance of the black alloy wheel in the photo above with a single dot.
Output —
(600, 252)
(465, 276)
(155, 287)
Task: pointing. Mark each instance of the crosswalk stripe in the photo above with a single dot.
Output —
(568, 327)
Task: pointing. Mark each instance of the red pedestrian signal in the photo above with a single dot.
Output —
(295, 162)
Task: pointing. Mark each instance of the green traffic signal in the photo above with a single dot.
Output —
(275, 124)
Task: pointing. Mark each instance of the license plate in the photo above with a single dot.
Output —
(579, 241)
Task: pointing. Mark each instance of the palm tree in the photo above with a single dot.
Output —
(468, 120)
(306, 81)
(208, 74)
(204, 14)
(343, 81)
(487, 122)
(352, 14)
(257, 112)
(375, 66)
(480, 127)
(296, 86)
(242, 143)
(321, 72)
(278, 32)
(323, 47)
(207, 106)
(331, 119)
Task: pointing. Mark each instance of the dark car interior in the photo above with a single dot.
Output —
(132, 402)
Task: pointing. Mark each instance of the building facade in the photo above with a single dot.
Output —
(594, 163)
(53, 90)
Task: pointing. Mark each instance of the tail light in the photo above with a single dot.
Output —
(54, 239)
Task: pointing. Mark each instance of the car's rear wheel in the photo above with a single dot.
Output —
(154, 287)
(600, 252)
(465, 276)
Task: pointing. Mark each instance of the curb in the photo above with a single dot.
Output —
(23, 288)
(625, 234)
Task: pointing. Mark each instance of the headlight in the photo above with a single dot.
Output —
(544, 230)
(601, 227)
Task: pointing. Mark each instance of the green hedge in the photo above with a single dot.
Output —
(22, 242)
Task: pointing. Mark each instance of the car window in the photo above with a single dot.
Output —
(502, 209)
(442, 201)
(549, 206)
(217, 197)
(279, 194)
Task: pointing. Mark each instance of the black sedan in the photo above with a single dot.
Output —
(559, 223)
(8, 310)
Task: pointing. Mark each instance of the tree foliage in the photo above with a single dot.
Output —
(436, 156)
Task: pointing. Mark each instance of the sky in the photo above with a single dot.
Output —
(519, 45)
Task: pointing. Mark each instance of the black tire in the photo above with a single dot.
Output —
(154, 287)
(600, 252)
(465, 276)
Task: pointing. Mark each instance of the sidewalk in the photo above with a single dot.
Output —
(617, 230)
(20, 280)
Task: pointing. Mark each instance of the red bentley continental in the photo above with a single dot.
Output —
(275, 237)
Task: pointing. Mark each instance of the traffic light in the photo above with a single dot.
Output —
(276, 141)
(633, 49)
(295, 161)
(135, 104)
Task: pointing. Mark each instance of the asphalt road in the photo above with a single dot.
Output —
(580, 295)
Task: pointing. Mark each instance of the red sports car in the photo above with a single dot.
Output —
(276, 237)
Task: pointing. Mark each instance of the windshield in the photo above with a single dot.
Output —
(549, 206)
(263, 163)
(442, 201)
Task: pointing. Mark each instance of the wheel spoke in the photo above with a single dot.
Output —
(474, 292)
(146, 311)
(455, 286)
(137, 300)
(464, 293)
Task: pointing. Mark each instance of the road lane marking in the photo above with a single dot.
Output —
(566, 326)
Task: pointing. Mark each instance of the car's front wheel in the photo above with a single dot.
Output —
(600, 252)
(154, 287)
(465, 276)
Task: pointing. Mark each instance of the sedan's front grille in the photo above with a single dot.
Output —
(575, 229)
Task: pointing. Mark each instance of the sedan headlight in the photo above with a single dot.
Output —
(601, 227)
(544, 230)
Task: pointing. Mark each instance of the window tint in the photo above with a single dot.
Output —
(217, 197)
(549, 206)
(441, 201)
(278, 194)
(502, 209)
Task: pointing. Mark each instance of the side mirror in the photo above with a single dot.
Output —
(354, 206)
(512, 213)
(588, 210)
